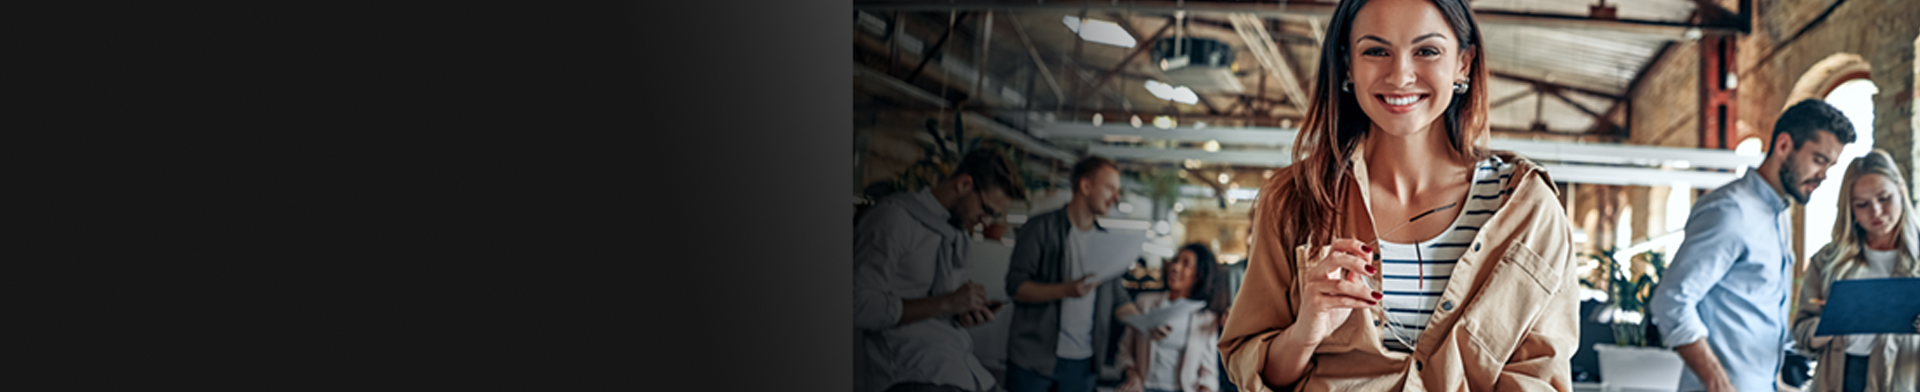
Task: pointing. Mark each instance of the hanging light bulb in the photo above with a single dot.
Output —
(1136, 121)
(1163, 122)
(1096, 119)
(1223, 178)
(1211, 146)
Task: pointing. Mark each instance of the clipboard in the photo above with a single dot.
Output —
(1165, 315)
(1111, 254)
(1870, 306)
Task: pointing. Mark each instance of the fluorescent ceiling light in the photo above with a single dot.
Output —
(1165, 91)
(1095, 30)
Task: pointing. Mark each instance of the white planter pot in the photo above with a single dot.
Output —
(1629, 368)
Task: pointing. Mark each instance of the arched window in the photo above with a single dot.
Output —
(1854, 97)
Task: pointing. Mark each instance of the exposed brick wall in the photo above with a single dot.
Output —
(1880, 31)
(1666, 105)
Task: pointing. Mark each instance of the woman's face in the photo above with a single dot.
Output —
(1404, 60)
(1876, 204)
(1180, 271)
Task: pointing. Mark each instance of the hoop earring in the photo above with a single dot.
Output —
(1461, 86)
(1346, 86)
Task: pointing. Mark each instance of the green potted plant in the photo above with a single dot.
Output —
(1636, 359)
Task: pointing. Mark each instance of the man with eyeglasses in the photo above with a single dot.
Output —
(1059, 332)
(911, 304)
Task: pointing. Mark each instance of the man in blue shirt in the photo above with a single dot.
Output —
(1723, 303)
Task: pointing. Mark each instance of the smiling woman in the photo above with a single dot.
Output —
(1399, 119)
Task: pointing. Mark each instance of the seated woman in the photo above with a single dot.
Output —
(1873, 237)
(1181, 355)
(1398, 252)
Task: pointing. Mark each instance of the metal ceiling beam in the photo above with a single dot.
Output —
(1601, 118)
(933, 52)
(1252, 158)
(1242, 136)
(1002, 131)
(1033, 52)
(1608, 154)
(1253, 31)
(1583, 174)
(1672, 29)
(1582, 90)
(1503, 101)
(1139, 48)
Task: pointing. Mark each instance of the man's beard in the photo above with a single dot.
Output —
(1789, 181)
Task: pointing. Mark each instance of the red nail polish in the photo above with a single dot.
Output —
(1371, 269)
(1366, 248)
(1377, 295)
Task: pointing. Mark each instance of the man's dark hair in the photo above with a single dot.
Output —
(991, 170)
(1809, 116)
(1085, 168)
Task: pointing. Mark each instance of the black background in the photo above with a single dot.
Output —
(382, 196)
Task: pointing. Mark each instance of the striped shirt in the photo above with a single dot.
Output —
(1413, 276)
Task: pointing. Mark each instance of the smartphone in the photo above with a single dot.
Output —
(994, 305)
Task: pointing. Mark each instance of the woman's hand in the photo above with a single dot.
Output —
(1331, 288)
(1821, 342)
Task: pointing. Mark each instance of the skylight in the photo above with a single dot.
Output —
(1165, 91)
(1095, 30)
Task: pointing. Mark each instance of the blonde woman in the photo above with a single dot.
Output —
(1873, 237)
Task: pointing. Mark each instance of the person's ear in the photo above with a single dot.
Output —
(964, 183)
(1782, 144)
(1466, 61)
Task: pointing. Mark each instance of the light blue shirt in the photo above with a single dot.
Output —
(1729, 283)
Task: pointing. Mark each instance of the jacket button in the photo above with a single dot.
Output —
(1476, 246)
(1376, 322)
(1447, 305)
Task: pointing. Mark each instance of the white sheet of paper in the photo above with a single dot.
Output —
(1162, 316)
(1112, 254)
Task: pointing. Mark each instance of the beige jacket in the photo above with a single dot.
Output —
(1198, 366)
(1509, 319)
(1895, 362)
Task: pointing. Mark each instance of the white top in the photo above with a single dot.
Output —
(1879, 265)
(1413, 276)
(1076, 314)
(1164, 372)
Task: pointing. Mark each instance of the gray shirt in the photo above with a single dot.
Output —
(903, 248)
(1076, 313)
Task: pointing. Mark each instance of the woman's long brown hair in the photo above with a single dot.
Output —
(1301, 200)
